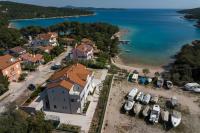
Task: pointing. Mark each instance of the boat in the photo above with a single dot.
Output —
(174, 101)
(165, 116)
(146, 111)
(137, 108)
(154, 99)
(160, 82)
(146, 99)
(140, 96)
(175, 118)
(155, 113)
(128, 105)
(169, 84)
(132, 94)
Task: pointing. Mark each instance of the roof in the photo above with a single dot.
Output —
(76, 73)
(65, 84)
(44, 48)
(47, 36)
(84, 47)
(86, 40)
(6, 61)
(31, 57)
(17, 49)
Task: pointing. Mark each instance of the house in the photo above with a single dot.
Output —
(68, 89)
(16, 51)
(10, 67)
(46, 39)
(46, 49)
(69, 41)
(32, 58)
(91, 43)
(82, 52)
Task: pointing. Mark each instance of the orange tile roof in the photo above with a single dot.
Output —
(47, 36)
(77, 73)
(17, 49)
(84, 47)
(31, 57)
(65, 84)
(6, 61)
(44, 48)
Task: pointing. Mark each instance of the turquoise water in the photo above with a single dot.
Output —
(156, 35)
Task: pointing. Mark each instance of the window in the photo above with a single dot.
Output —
(72, 100)
(63, 92)
(52, 91)
(64, 99)
(55, 106)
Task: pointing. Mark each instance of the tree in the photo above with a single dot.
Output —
(156, 74)
(145, 71)
(4, 81)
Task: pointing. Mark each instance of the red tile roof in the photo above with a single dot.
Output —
(65, 84)
(31, 57)
(6, 61)
(47, 36)
(84, 47)
(75, 74)
(18, 49)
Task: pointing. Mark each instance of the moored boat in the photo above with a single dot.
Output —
(146, 111)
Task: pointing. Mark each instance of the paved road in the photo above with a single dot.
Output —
(38, 77)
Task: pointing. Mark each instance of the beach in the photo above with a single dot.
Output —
(117, 61)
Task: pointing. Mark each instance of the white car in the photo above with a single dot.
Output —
(128, 105)
(132, 94)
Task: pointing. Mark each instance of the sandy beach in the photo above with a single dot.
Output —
(117, 61)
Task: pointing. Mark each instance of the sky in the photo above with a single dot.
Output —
(176, 4)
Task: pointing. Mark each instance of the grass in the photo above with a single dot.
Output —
(69, 128)
(86, 107)
(34, 95)
(98, 117)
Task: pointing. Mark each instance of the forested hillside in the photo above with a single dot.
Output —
(192, 14)
(13, 10)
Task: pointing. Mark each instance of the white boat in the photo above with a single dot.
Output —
(140, 96)
(160, 82)
(165, 115)
(146, 111)
(128, 105)
(169, 84)
(132, 94)
(146, 99)
(154, 99)
(137, 108)
(175, 118)
(155, 113)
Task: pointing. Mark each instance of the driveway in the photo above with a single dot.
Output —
(38, 77)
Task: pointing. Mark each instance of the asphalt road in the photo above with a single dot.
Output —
(38, 77)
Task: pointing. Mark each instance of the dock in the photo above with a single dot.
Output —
(124, 41)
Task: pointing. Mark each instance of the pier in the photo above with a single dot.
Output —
(124, 41)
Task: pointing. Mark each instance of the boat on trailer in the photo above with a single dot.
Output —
(175, 118)
(155, 114)
(137, 108)
(128, 105)
(146, 111)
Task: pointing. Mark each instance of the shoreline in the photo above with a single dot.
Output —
(117, 61)
(10, 25)
(14, 20)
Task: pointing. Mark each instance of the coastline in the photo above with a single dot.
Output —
(117, 61)
(13, 20)
(10, 25)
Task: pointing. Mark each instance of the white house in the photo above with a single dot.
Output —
(46, 39)
(83, 52)
(68, 89)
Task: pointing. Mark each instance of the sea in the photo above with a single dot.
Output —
(155, 35)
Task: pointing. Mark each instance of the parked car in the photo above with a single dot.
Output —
(31, 87)
(146, 99)
(56, 67)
